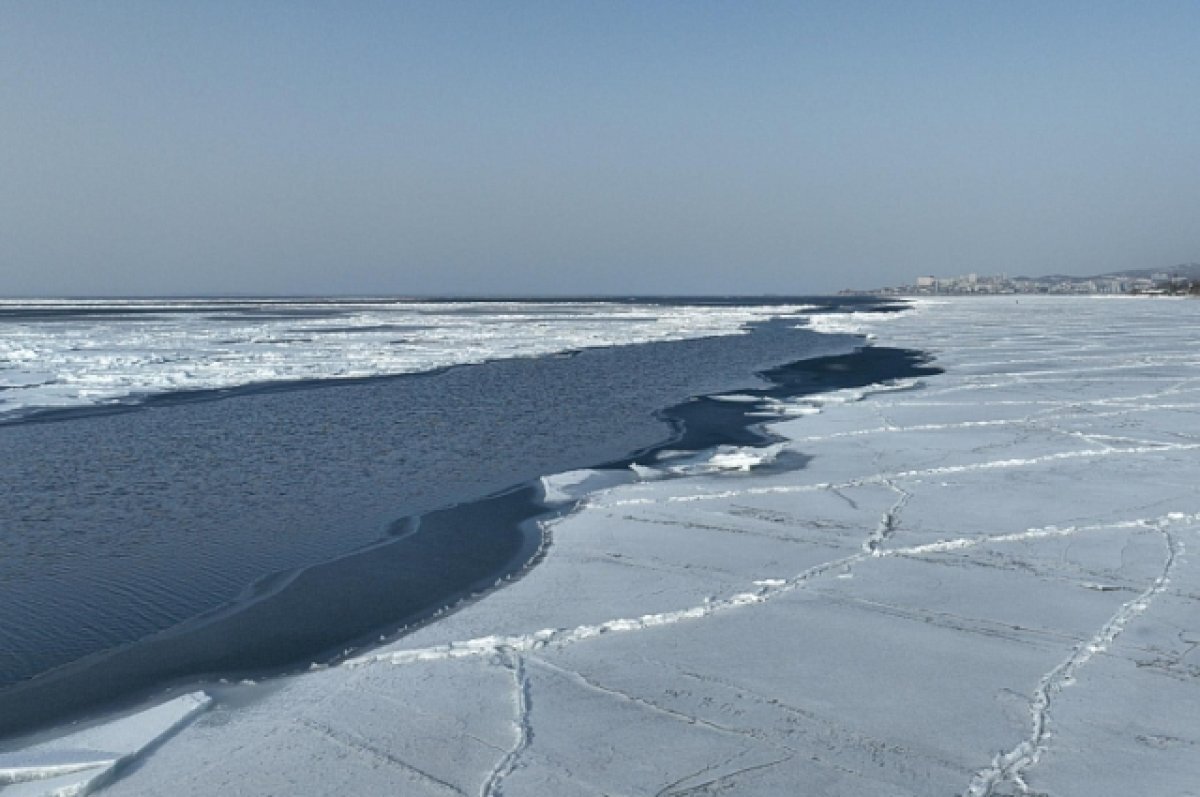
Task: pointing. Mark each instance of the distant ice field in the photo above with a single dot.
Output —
(81, 353)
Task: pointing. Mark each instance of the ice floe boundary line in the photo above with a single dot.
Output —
(508, 763)
(766, 590)
(1010, 766)
(359, 745)
(885, 478)
(97, 768)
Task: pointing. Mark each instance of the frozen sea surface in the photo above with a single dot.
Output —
(84, 353)
(982, 583)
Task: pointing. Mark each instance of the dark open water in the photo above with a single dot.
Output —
(239, 534)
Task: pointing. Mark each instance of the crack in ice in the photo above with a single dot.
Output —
(671, 788)
(884, 478)
(1010, 766)
(705, 786)
(888, 522)
(508, 764)
(651, 706)
(766, 589)
(358, 744)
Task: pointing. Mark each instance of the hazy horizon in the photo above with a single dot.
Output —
(575, 149)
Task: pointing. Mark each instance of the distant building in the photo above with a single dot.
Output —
(1185, 279)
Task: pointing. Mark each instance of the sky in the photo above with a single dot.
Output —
(549, 148)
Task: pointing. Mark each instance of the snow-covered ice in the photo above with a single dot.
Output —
(982, 584)
(80, 762)
(78, 353)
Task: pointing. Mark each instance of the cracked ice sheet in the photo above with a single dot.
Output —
(1143, 730)
(591, 739)
(433, 728)
(729, 631)
(656, 558)
(82, 761)
(1063, 495)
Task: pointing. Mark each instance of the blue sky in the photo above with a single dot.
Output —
(567, 147)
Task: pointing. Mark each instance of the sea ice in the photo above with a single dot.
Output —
(980, 585)
(62, 353)
(563, 488)
(80, 762)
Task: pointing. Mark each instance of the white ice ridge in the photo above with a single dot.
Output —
(765, 590)
(857, 323)
(81, 762)
(77, 360)
(521, 726)
(769, 407)
(559, 637)
(1012, 766)
(1027, 420)
(888, 522)
(722, 459)
(563, 488)
(743, 458)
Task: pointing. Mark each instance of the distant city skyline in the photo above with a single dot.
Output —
(617, 148)
(1182, 279)
(1178, 279)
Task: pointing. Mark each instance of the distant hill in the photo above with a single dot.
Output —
(1186, 270)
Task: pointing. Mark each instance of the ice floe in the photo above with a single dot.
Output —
(721, 459)
(80, 762)
(78, 353)
(563, 488)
